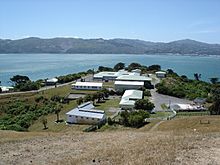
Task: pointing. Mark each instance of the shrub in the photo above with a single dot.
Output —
(144, 104)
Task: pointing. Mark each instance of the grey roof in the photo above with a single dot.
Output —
(86, 110)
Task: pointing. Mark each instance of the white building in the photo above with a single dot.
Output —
(6, 88)
(138, 71)
(160, 74)
(103, 76)
(134, 78)
(87, 86)
(85, 114)
(128, 99)
(186, 107)
(51, 81)
(125, 85)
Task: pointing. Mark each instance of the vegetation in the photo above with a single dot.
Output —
(134, 119)
(23, 83)
(144, 104)
(70, 77)
(182, 87)
(119, 66)
(215, 107)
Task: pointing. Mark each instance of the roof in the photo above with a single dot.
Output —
(54, 80)
(182, 106)
(6, 88)
(86, 110)
(113, 74)
(160, 72)
(88, 84)
(134, 78)
(130, 96)
(129, 83)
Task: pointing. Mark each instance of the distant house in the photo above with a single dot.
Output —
(52, 81)
(160, 74)
(138, 71)
(6, 89)
(125, 85)
(85, 114)
(87, 86)
(106, 76)
(128, 99)
(186, 107)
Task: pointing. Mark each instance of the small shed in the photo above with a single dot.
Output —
(161, 74)
(52, 81)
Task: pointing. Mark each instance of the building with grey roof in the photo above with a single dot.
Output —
(85, 114)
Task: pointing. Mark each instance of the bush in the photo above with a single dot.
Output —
(134, 119)
(110, 121)
(147, 93)
(144, 104)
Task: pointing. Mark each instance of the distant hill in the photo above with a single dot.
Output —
(102, 46)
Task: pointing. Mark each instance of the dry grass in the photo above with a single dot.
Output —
(174, 143)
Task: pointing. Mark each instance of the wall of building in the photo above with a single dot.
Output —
(126, 87)
(82, 120)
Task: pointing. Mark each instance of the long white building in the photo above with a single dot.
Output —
(87, 86)
(128, 99)
(85, 114)
(112, 75)
(125, 85)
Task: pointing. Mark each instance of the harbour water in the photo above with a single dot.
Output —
(40, 66)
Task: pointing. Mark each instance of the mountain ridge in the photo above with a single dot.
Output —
(106, 46)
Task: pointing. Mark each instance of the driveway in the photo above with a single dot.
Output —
(159, 99)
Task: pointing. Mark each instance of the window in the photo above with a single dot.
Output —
(76, 116)
(98, 119)
(81, 117)
(70, 116)
(92, 118)
(87, 118)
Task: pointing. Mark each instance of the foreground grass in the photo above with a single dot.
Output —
(173, 142)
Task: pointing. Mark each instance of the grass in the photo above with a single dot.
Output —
(200, 113)
(160, 114)
(192, 123)
(179, 141)
(108, 106)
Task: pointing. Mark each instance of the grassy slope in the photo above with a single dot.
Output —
(173, 142)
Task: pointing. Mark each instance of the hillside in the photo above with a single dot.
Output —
(179, 141)
(102, 46)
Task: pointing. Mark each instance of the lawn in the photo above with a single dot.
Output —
(109, 106)
(160, 114)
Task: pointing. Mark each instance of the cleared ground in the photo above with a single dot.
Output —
(179, 141)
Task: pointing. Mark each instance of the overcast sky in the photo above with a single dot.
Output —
(153, 20)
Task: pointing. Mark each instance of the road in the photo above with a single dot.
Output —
(86, 78)
(159, 99)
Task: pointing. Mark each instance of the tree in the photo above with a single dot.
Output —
(215, 107)
(18, 79)
(154, 67)
(44, 122)
(119, 66)
(57, 110)
(197, 76)
(134, 66)
(144, 104)
(214, 80)
(79, 101)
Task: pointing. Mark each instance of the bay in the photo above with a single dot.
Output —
(40, 66)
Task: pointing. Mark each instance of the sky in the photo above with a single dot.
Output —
(150, 20)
